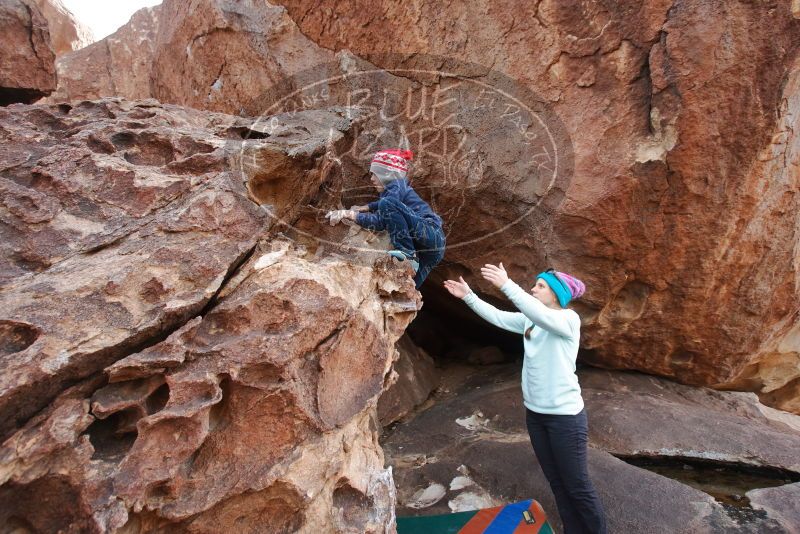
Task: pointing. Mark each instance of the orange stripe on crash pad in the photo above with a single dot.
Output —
(481, 520)
(537, 512)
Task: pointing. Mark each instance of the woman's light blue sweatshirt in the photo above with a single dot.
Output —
(549, 382)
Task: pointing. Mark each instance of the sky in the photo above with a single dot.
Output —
(104, 17)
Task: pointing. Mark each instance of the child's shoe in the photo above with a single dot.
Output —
(403, 256)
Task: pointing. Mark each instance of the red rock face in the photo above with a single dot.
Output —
(416, 377)
(678, 158)
(222, 55)
(118, 65)
(681, 212)
(82, 203)
(66, 33)
(166, 363)
(253, 414)
(170, 364)
(211, 55)
(27, 70)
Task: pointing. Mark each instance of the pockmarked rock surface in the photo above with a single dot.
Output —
(472, 441)
(67, 34)
(254, 416)
(119, 223)
(168, 362)
(27, 69)
(683, 199)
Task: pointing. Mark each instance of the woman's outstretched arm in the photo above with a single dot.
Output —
(555, 321)
(511, 321)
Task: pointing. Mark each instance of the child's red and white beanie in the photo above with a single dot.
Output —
(391, 164)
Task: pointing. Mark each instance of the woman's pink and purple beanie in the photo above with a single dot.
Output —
(565, 287)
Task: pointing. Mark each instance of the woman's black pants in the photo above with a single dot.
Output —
(559, 442)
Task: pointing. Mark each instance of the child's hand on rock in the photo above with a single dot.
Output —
(336, 216)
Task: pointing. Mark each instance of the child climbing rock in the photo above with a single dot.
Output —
(554, 412)
(414, 229)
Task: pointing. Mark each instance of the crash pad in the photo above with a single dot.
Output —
(525, 517)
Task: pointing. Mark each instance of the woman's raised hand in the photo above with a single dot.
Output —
(457, 288)
(496, 274)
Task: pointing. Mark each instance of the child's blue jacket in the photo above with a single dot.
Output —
(399, 190)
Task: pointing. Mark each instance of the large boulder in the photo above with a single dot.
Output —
(780, 502)
(66, 32)
(221, 54)
(681, 212)
(27, 69)
(168, 362)
(120, 224)
(255, 417)
(118, 65)
(618, 145)
(628, 107)
(217, 54)
(631, 414)
(414, 378)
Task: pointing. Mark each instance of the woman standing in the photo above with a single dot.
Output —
(554, 412)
